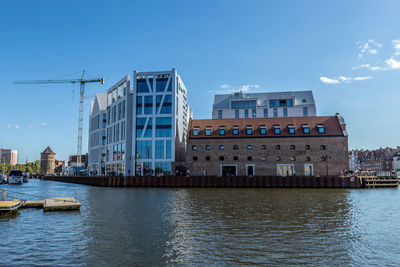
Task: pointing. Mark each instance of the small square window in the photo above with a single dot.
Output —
(278, 158)
(249, 130)
(221, 147)
(208, 131)
(306, 129)
(277, 129)
(207, 147)
(194, 147)
(292, 147)
(307, 147)
(195, 131)
(263, 130)
(249, 158)
(208, 158)
(291, 129)
(235, 147)
(235, 131)
(277, 147)
(249, 147)
(308, 159)
(292, 158)
(323, 147)
(222, 131)
(263, 147)
(321, 129)
(235, 158)
(263, 158)
(194, 158)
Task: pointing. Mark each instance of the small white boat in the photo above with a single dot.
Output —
(15, 177)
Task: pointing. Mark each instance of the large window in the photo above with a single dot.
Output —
(163, 127)
(305, 111)
(148, 104)
(281, 102)
(244, 104)
(285, 112)
(246, 113)
(140, 122)
(159, 149)
(265, 112)
(275, 112)
(168, 149)
(167, 105)
(219, 114)
(149, 128)
(163, 168)
(161, 83)
(236, 113)
(139, 103)
(143, 149)
(142, 86)
(253, 113)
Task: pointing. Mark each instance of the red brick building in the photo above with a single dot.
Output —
(268, 146)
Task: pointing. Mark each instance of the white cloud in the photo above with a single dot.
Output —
(368, 47)
(362, 78)
(328, 80)
(367, 66)
(344, 79)
(229, 90)
(43, 124)
(396, 44)
(392, 64)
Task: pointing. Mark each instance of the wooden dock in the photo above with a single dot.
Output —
(61, 204)
(32, 204)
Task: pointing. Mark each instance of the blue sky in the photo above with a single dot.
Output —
(345, 51)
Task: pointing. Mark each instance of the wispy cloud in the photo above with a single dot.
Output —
(367, 66)
(368, 47)
(227, 89)
(342, 79)
(16, 126)
(39, 124)
(396, 44)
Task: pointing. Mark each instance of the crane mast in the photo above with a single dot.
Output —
(82, 97)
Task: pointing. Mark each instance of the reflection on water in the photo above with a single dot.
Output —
(127, 226)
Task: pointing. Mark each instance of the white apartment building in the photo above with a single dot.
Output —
(139, 130)
(258, 105)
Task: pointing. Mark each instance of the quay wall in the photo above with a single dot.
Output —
(213, 181)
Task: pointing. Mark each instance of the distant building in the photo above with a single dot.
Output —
(263, 105)
(268, 146)
(9, 156)
(73, 160)
(378, 160)
(47, 161)
(396, 162)
(59, 166)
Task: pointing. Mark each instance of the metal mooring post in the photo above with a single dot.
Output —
(3, 195)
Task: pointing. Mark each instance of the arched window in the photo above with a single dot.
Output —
(221, 158)
(194, 158)
(292, 147)
(308, 159)
(307, 147)
(292, 158)
(277, 147)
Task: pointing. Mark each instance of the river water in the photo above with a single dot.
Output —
(210, 226)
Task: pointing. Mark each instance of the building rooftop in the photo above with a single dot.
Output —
(330, 125)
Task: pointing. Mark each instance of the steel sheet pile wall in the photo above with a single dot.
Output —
(213, 181)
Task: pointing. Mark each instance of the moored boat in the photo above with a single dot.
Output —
(8, 206)
(15, 177)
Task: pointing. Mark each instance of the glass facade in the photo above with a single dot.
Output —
(163, 127)
(159, 149)
(139, 102)
(148, 104)
(281, 103)
(144, 149)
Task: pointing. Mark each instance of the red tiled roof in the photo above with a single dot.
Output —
(331, 125)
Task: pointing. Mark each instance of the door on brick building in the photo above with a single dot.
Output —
(285, 169)
(229, 170)
(308, 170)
(250, 169)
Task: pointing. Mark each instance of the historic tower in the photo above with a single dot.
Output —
(47, 161)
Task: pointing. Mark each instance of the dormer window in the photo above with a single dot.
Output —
(235, 130)
(249, 130)
(208, 131)
(321, 128)
(196, 131)
(277, 129)
(306, 128)
(291, 129)
(263, 130)
(222, 130)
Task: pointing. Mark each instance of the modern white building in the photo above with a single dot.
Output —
(9, 156)
(161, 117)
(140, 129)
(258, 105)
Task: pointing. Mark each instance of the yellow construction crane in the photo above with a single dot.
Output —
(82, 83)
